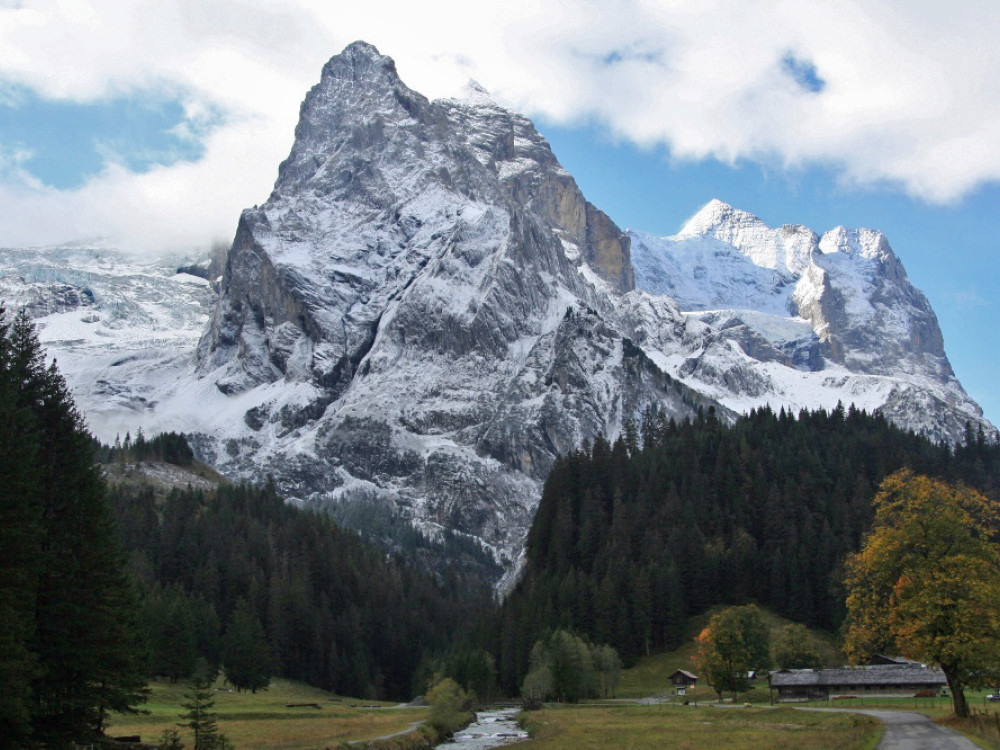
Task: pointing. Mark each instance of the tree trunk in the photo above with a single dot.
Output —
(958, 701)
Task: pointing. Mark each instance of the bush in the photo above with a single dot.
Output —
(450, 708)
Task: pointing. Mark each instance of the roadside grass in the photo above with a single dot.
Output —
(696, 728)
(265, 720)
(982, 728)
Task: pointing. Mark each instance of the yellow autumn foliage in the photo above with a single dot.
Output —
(926, 583)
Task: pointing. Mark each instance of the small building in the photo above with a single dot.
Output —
(683, 678)
(894, 679)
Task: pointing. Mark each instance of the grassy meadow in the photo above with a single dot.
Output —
(271, 719)
(266, 720)
(697, 728)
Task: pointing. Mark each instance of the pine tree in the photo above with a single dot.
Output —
(198, 705)
(83, 641)
(20, 541)
(247, 656)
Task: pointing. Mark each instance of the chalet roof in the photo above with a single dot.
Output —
(882, 674)
(685, 673)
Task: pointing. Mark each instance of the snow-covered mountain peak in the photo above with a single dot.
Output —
(358, 97)
(784, 250)
(715, 215)
(474, 94)
(426, 312)
(817, 305)
(359, 61)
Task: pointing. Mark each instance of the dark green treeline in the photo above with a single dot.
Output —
(333, 611)
(70, 645)
(630, 539)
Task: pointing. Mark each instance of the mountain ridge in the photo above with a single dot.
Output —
(426, 312)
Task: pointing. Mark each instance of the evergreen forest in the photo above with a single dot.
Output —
(71, 648)
(238, 574)
(634, 537)
(104, 586)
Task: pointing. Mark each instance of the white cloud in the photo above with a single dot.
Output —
(909, 96)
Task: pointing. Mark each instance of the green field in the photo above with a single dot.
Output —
(677, 726)
(266, 720)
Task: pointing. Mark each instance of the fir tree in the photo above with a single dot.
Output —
(198, 704)
(20, 537)
(72, 630)
(247, 656)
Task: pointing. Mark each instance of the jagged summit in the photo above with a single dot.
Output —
(836, 311)
(428, 282)
(474, 94)
(714, 214)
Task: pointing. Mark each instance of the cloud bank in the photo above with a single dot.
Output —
(899, 95)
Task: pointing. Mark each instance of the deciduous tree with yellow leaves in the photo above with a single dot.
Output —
(735, 643)
(926, 583)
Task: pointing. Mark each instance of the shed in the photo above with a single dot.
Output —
(683, 678)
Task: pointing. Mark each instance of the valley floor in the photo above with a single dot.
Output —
(697, 728)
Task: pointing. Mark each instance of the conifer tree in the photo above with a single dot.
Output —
(73, 631)
(20, 541)
(198, 704)
(247, 656)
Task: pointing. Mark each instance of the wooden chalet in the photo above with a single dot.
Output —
(683, 678)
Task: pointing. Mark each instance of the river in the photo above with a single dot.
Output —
(490, 729)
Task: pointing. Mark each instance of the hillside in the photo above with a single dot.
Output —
(650, 675)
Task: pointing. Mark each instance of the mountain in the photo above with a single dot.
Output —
(814, 319)
(426, 312)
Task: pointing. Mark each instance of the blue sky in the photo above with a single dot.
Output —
(150, 125)
(64, 143)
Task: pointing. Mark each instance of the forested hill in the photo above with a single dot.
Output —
(631, 538)
(239, 572)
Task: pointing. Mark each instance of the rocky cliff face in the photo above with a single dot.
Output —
(424, 311)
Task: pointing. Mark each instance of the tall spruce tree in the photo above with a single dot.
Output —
(247, 656)
(198, 704)
(20, 542)
(73, 630)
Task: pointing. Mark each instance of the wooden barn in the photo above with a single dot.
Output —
(886, 680)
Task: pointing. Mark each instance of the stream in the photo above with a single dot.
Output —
(490, 729)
